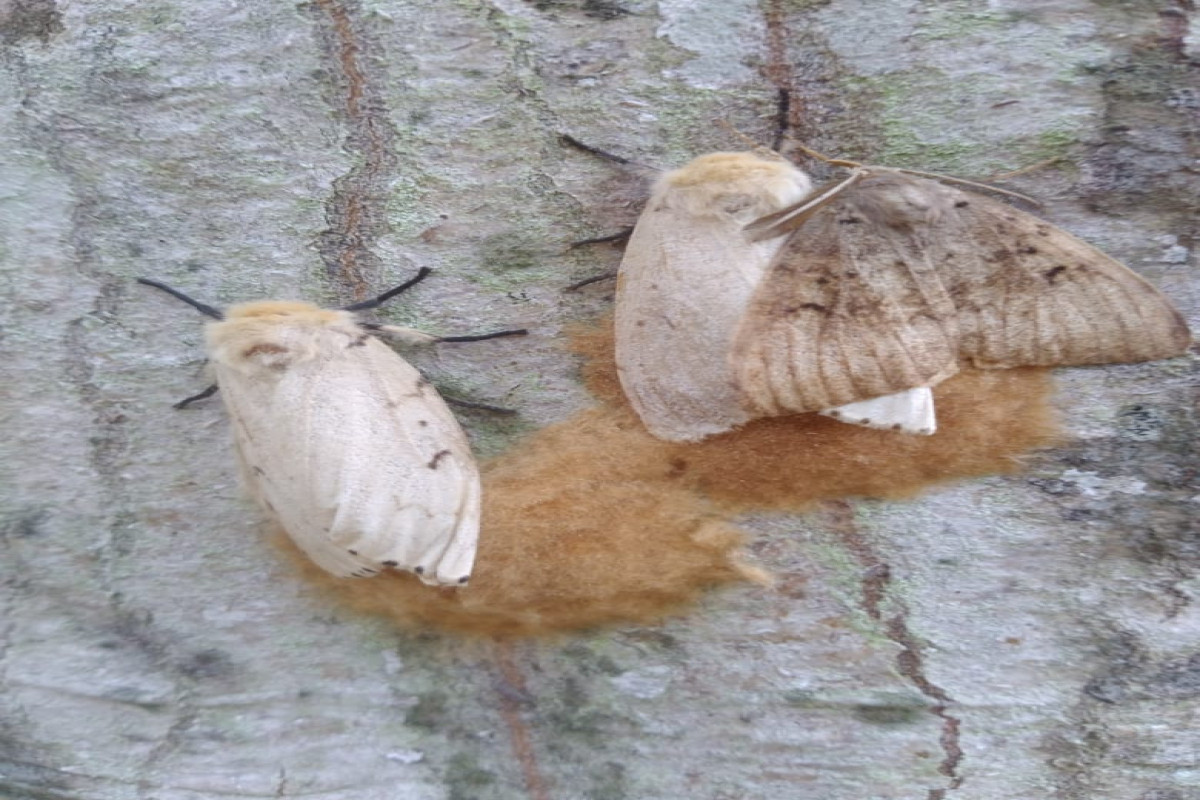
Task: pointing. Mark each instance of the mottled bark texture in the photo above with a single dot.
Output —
(1031, 636)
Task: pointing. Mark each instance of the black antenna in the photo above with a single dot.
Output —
(206, 310)
(479, 337)
(422, 274)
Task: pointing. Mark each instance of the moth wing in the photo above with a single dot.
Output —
(910, 411)
(849, 310)
(683, 285)
(1029, 293)
(360, 461)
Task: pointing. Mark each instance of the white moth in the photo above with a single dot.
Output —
(342, 442)
(685, 283)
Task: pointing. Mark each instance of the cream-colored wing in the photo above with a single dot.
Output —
(1028, 293)
(358, 459)
(688, 272)
(852, 308)
(910, 411)
(683, 285)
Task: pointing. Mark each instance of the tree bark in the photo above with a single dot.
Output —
(1036, 635)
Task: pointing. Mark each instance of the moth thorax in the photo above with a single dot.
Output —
(742, 185)
(901, 202)
(274, 335)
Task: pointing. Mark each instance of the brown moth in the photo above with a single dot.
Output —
(688, 274)
(743, 295)
(889, 281)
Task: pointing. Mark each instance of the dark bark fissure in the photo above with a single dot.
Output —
(356, 211)
(876, 583)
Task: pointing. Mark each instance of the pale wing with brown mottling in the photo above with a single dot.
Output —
(1030, 294)
(901, 279)
(351, 451)
(851, 309)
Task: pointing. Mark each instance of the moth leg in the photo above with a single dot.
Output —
(571, 141)
(413, 336)
(185, 402)
(454, 401)
(619, 236)
(589, 281)
(409, 336)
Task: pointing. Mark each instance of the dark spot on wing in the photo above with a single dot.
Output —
(257, 470)
(464, 579)
(850, 220)
(1027, 250)
(834, 413)
(962, 204)
(864, 421)
(1051, 274)
(424, 423)
(419, 570)
(896, 427)
(390, 563)
(360, 341)
(352, 552)
(438, 456)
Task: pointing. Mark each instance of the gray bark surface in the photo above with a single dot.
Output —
(1029, 636)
